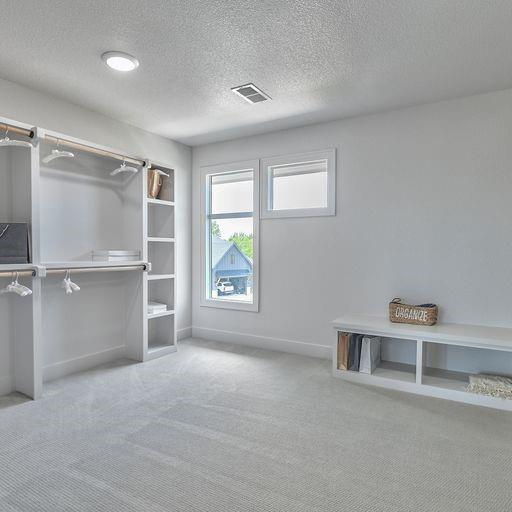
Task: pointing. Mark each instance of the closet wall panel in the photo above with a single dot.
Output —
(88, 323)
(19, 316)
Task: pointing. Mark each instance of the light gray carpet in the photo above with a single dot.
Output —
(223, 428)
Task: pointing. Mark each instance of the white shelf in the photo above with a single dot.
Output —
(497, 338)
(160, 202)
(161, 313)
(93, 264)
(158, 277)
(396, 371)
(160, 239)
(385, 371)
(157, 351)
(445, 379)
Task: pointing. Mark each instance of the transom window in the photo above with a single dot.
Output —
(300, 185)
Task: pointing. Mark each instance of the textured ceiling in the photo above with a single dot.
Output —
(317, 59)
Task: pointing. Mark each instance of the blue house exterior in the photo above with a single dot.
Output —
(229, 262)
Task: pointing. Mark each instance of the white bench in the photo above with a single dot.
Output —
(417, 378)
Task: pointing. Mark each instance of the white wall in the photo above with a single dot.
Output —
(423, 212)
(29, 106)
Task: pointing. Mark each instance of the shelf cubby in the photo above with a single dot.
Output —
(161, 291)
(161, 257)
(161, 333)
(160, 222)
(166, 194)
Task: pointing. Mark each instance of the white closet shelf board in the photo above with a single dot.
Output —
(158, 277)
(497, 338)
(161, 313)
(157, 351)
(160, 202)
(160, 239)
(91, 264)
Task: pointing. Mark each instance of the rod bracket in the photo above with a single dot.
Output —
(40, 271)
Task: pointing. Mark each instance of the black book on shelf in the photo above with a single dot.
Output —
(354, 351)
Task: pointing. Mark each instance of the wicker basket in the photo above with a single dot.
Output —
(422, 314)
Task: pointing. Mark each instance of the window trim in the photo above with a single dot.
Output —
(205, 172)
(266, 190)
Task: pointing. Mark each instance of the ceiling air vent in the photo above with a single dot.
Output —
(251, 93)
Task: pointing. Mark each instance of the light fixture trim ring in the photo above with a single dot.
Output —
(120, 61)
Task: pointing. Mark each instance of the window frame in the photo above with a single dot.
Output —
(205, 173)
(295, 158)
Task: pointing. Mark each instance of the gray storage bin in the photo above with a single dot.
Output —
(14, 243)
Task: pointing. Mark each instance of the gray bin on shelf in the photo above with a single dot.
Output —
(14, 243)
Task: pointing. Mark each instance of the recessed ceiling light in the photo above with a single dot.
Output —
(120, 61)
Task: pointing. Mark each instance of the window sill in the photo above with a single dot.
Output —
(227, 304)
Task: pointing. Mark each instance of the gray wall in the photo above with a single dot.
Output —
(29, 106)
(423, 213)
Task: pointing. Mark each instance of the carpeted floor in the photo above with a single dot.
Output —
(226, 429)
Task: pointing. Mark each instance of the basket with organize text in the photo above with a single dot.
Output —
(422, 314)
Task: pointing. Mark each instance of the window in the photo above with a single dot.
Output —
(302, 185)
(230, 221)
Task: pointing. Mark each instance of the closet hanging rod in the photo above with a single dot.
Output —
(16, 129)
(20, 273)
(90, 149)
(81, 270)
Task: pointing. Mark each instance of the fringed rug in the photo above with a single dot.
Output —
(491, 385)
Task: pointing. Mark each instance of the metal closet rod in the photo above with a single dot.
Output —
(21, 273)
(79, 270)
(89, 149)
(19, 131)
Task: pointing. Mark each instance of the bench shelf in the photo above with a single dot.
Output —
(418, 378)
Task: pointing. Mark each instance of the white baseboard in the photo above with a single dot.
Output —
(186, 332)
(265, 342)
(6, 385)
(78, 364)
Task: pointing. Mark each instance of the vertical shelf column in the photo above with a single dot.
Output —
(420, 360)
(160, 283)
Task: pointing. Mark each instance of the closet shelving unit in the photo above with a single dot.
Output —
(417, 376)
(74, 206)
(160, 281)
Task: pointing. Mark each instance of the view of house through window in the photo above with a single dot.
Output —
(230, 236)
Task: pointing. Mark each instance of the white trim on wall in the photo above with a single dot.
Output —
(205, 171)
(77, 364)
(184, 333)
(6, 384)
(263, 342)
